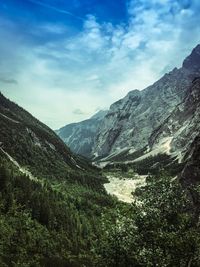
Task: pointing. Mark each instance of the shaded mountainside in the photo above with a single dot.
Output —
(36, 147)
(51, 200)
(190, 175)
(134, 125)
(191, 172)
(80, 136)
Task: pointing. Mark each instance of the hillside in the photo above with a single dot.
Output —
(35, 146)
(51, 200)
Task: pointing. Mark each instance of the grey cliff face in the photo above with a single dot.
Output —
(192, 62)
(183, 124)
(80, 136)
(131, 121)
(163, 117)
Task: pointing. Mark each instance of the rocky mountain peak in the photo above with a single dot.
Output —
(99, 114)
(192, 62)
(133, 93)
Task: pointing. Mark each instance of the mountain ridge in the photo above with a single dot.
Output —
(131, 121)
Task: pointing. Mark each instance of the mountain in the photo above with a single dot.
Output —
(80, 136)
(51, 200)
(140, 123)
(33, 145)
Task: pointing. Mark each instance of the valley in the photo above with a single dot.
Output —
(102, 192)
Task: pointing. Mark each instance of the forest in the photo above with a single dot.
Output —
(69, 224)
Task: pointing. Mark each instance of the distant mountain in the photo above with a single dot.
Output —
(80, 136)
(158, 119)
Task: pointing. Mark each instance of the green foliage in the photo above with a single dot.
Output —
(151, 165)
(47, 223)
(157, 230)
(125, 156)
(67, 224)
(37, 148)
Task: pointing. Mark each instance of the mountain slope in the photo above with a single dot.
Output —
(51, 200)
(80, 136)
(131, 121)
(35, 147)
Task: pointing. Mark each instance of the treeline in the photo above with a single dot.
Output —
(150, 165)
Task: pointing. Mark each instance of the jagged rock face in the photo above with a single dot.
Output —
(183, 125)
(131, 121)
(193, 61)
(80, 136)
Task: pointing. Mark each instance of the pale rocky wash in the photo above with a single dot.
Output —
(21, 169)
(123, 188)
(9, 118)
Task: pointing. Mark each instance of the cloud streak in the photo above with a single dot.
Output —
(62, 11)
(8, 80)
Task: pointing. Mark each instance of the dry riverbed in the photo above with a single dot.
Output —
(122, 188)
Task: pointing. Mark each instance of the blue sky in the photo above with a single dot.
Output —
(63, 60)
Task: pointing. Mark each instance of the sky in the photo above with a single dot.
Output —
(63, 60)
